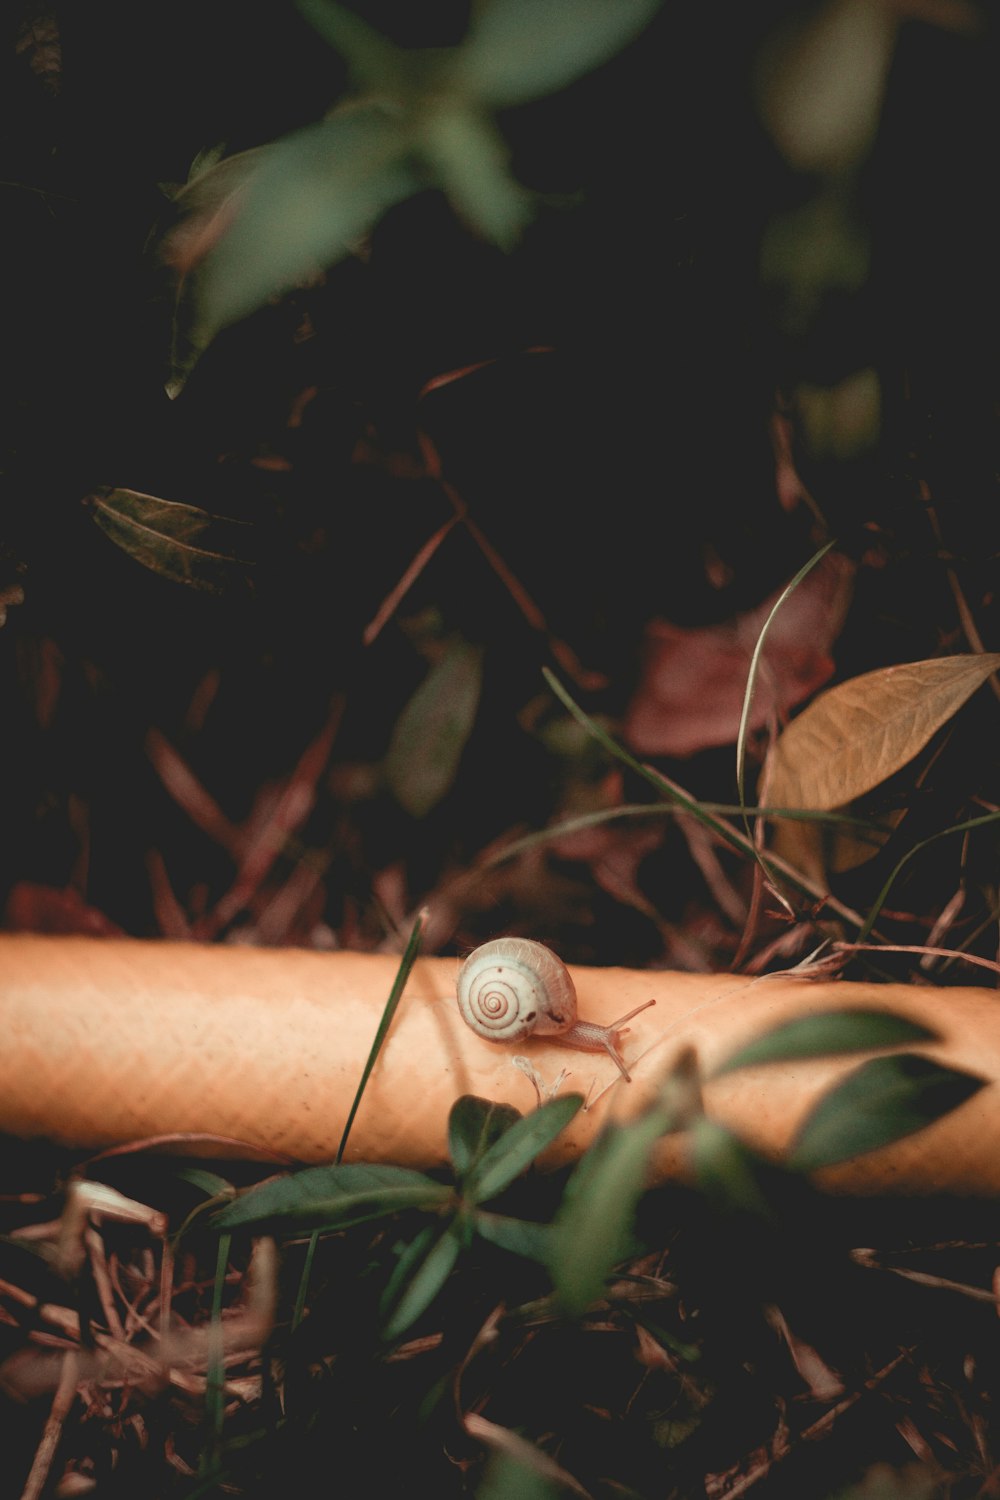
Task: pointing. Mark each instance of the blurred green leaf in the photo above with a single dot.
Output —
(829, 1032)
(517, 1147)
(593, 1228)
(474, 1125)
(511, 1477)
(213, 186)
(842, 420)
(178, 541)
(812, 251)
(726, 1170)
(519, 1236)
(822, 80)
(423, 1280)
(881, 1101)
(469, 159)
(883, 1482)
(375, 63)
(517, 50)
(333, 1196)
(410, 1254)
(313, 197)
(431, 731)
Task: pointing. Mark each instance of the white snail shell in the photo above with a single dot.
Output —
(513, 987)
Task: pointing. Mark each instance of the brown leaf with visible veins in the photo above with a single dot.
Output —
(178, 541)
(858, 734)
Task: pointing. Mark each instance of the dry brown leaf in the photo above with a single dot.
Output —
(178, 541)
(856, 735)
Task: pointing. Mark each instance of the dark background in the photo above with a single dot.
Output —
(608, 472)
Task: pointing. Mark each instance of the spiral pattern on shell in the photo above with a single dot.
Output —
(513, 987)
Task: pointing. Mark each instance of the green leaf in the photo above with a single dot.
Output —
(517, 1148)
(822, 1035)
(881, 1101)
(823, 78)
(178, 541)
(406, 963)
(516, 1476)
(840, 421)
(592, 1231)
(431, 731)
(209, 1183)
(474, 1125)
(314, 196)
(519, 1236)
(726, 1170)
(517, 50)
(469, 160)
(333, 1196)
(408, 1258)
(811, 251)
(374, 62)
(425, 1282)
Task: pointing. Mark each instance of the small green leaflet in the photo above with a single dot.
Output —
(423, 1270)
(520, 1236)
(474, 1125)
(517, 1147)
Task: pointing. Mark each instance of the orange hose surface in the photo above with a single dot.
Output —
(107, 1041)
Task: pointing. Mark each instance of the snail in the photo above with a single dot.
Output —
(514, 987)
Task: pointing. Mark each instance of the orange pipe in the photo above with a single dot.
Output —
(107, 1041)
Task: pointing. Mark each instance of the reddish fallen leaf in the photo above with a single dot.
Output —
(693, 681)
(187, 791)
(46, 908)
(267, 831)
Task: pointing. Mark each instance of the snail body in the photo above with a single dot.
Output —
(512, 988)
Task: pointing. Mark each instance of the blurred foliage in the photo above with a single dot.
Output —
(593, 1228)
(421, 118)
